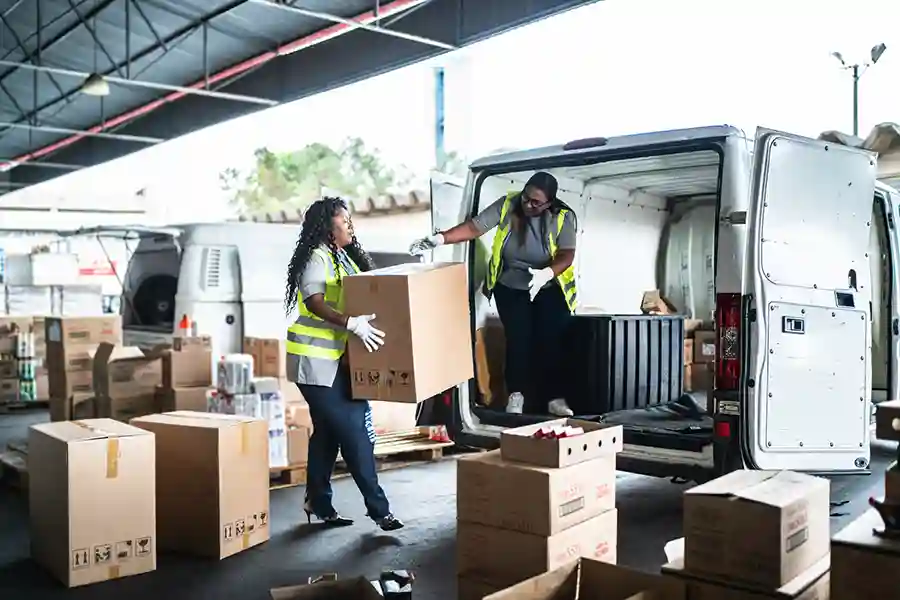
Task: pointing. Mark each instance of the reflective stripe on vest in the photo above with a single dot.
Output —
(310, 335)
(566, 279)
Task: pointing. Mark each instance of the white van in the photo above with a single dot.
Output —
(227, 278)
(787, 243)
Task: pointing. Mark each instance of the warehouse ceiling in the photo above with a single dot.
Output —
(86, 81)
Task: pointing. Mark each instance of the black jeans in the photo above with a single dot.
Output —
(341, 424)
(535, 335)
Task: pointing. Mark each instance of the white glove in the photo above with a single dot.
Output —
(362, 328)
(428, 243)
(539, 278)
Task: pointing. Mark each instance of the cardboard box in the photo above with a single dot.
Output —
(654, 303)
(812, 584)
(296, 414)
(9, 368)
(188, 363)
(781, 519)
(298, 446)
(885, 415)
(9, 391)
(424, 311)
(505, 557)
(182, 398)
(490, 356)
(473, 589)
(489, 491)
(92, 500)
(705, 346)
(599, 439)
(212, 481)
(125, 378)
(64, 384)
(586, 578)
(9, 326)
(391, 417)
(699, 377)
(83, 330)
(864, 565)
(688, 351)
(268, 356)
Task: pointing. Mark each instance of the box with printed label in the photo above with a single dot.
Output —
(504, 557)
(92, 500)
(423, 310)
(781, 519)
(212, 475)
(599, 439)
(489, 491)
(705, 346)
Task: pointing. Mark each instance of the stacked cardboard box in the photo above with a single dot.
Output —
(864, 562)
(212, 482)
(92, 500)
(699, 357)
(10, 327)
(124, 380)
(535, 505)
(71, 343)
(753, 535)
(186, 375)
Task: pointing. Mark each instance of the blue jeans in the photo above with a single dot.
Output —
(341, 424)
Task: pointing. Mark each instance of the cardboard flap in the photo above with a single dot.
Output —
(559, 584)
(782, 489)
(88, 429)
(620, 583)
(406, 269)
(347, 589)
(731, 484)
(195, 419)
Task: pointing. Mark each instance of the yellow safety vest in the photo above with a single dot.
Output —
(566, 279)
(310, 335)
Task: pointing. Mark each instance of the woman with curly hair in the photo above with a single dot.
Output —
(326, 252)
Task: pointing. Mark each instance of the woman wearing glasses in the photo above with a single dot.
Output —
(530, 275)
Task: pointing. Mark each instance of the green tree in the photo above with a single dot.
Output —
(454, 163)
(287, 180)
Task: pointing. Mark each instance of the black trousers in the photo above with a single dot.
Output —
(341, 424)
(535, 336)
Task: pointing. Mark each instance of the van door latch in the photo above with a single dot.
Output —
(895, 326)
(793, 325)
(738, 217)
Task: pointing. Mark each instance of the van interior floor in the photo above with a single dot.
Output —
(682, 424)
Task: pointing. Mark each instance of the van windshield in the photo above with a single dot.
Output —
(150, 284)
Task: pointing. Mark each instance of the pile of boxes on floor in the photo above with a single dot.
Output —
(545, 497)
(22, 350)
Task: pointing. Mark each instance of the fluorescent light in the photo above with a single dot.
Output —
(95, 85)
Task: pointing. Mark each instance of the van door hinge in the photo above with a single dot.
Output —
(890, 220)
(751, 315)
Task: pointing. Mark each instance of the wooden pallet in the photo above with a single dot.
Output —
(14, 407)
(392, 451)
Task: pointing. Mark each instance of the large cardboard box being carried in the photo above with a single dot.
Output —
(781, 519)
(92, 500)
(424, 311)
(212, 475)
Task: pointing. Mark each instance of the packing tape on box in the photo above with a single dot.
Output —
(245, 541)
(114, 572)
(245, 437)
(112, 449)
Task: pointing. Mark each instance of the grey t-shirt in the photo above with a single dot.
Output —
(312, 281)
(534, 250)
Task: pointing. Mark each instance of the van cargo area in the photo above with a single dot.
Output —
(648, 228)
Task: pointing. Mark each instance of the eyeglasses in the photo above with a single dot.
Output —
(533, 202)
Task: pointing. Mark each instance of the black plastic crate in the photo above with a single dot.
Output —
(623, 362)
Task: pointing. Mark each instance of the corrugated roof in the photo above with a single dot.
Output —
(412, 201)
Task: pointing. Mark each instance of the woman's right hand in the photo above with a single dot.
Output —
(362, 328)
(427, 243)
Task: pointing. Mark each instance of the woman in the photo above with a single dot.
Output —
(531, 276)
(326, 252)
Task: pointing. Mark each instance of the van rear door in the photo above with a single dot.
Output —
(807, 352)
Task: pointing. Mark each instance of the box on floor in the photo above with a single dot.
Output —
(92, 500)
(504, 557)
(781, 518)
(811, 584)
(212, 482)
(864, 565)
(424, 311)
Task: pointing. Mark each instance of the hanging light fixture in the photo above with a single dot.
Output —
(95, 85)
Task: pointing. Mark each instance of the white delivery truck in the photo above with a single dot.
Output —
(788, 244)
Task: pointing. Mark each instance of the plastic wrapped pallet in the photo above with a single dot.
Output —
(24, 300)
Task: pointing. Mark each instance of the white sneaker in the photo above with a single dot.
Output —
(515, 403)
(560, 408)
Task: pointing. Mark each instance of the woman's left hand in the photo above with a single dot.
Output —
(539, 278)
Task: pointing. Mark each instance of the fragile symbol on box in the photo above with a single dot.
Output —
(404, 378)
(263, 518)
(374, 377)
(144, 546)
(228, 532)
(102, 554)
(239, 527)
(81, 559)
(251, 523)
(359, 377)
(124, 550)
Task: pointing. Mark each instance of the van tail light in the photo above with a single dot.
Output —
(728, 350)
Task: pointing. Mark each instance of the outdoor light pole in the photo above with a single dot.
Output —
(857, 70)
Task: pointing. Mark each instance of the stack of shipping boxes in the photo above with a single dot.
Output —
(536, 504)
(756, 535)
(865, 563)
(699, 356)
(12, 361)
(186, 375)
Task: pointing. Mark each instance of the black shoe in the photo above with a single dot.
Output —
(389, 523)
(332, 520)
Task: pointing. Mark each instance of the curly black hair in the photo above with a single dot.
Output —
(317, 232)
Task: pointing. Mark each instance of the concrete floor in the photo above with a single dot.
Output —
(423, 496)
